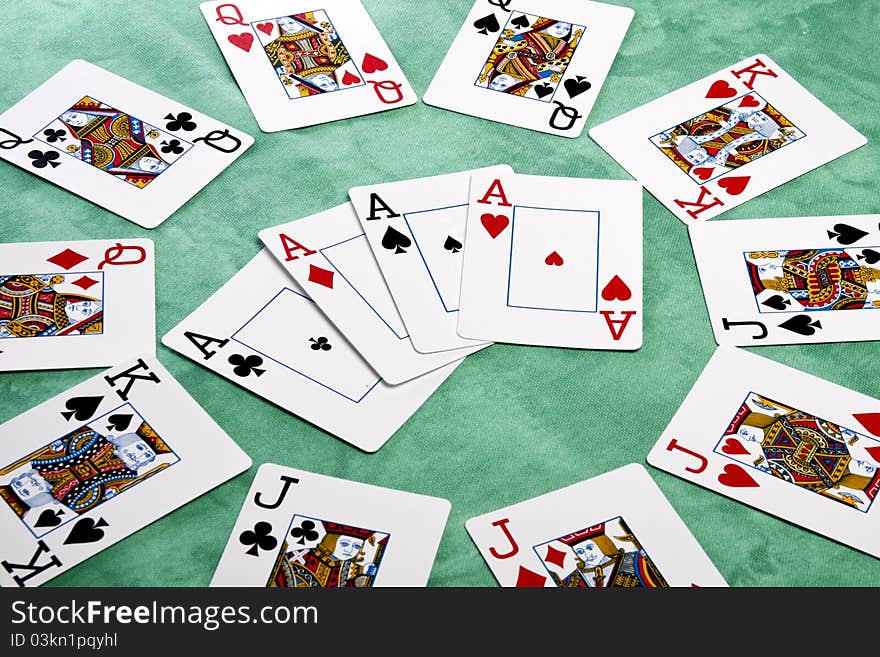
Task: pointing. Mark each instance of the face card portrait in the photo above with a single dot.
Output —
(615, 530)
(302, 63)
(536, 67)
(130, 150)
(299, 529)
(782, 441)
(799, 280)
(99, 462)
(75, 304)
(725, 139)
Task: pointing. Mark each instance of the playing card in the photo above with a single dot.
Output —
(791, 281)
(416, 231)
(75, 304)
(300, 529)
(553, 262)
(116, 144)
(97, 463)
(614, 530)
(538, 67)
(329, 256)
(725, 139)
(786, 442)
(262, 331)
(301, 63)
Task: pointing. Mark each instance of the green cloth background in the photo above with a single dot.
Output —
(512, 422)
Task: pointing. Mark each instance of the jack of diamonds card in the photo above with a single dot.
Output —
(117, 144)
(75, 304)
(298, 529)
(791, 281)
(783, 441)
(726, 139)
(553, 262)
(99, 462)
(538, 66)
(616, 530)
(303, 63)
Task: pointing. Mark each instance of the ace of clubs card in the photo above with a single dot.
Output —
(262, 331)
(725, 139)
(329, 255)
(416, 231)
(553, 262)
(615, 530)
(790, 281)
(300, 529)
(538, 66)
(75, 304)
(783, 441)
(128, 149)
(97, 463)
(301, 63)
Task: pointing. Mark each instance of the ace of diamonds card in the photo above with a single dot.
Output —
(116, 144)
(298, 529)
(75, 304)
(300, 63)
(553, 262)
(791, 281)
(782, 441)
(534, 65)
(97, 463)
(726, 139)
(613, 531)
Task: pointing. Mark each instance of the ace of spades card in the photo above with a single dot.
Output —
(783, 441)
(300, 63)
(298, 529)
(616, 530)
(726, 139)
(533, 65)
(262, 331)
(128, 149)
(416, 231)
(75, 304)
(553, 262)
(791, 281)
(97, 463)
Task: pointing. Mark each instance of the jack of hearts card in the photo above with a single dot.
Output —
(782, 441)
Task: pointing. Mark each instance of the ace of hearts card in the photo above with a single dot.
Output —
(298, 529)
(128, 149)
(726, 139)
(75, 304)
(264, 332)
(616, 530)
(534, 65)
(553, 262)
(790, 281)
(97, 463)
(782, 441)
(301, 63)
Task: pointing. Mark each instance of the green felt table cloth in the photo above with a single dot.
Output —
(512, 422)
